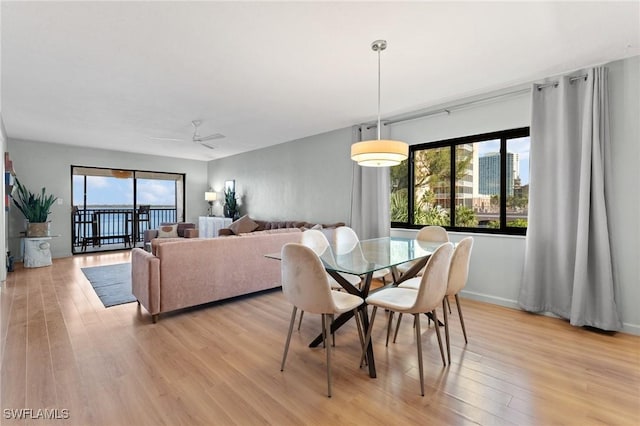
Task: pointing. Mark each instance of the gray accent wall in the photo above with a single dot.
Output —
(307, 180)
(310, 179)
(40, 164)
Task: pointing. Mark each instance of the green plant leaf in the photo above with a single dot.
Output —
(35, 208)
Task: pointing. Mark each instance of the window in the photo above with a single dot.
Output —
(107, 205)
(476, 183)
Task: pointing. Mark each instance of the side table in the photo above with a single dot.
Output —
(208, 226)
(36, 252)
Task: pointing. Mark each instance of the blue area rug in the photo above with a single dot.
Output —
(112, 283)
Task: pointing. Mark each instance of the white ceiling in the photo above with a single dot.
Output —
(113, 74)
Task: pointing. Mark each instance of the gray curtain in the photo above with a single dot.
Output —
(568, 267)
(370, 193)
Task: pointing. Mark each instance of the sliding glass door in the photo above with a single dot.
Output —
(113, 207)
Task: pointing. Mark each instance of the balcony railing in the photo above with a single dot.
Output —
(97, 227)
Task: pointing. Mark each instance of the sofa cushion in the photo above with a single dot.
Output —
(271, 231)
(168, 231)
(265, 225)
(243, 225)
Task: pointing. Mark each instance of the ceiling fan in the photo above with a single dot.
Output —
(196, 136)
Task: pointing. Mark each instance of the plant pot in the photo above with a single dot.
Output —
(38, 229)
(228, 212)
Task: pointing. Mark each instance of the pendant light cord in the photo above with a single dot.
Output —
(379, 93)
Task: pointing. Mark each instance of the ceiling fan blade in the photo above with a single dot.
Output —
(208, 138)
(207, 145)
(166, 139)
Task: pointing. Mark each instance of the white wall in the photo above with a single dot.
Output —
(310, 180)
(48, 165)
(624, 201)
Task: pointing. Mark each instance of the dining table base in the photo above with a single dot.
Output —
(363, 292)
(339, 322)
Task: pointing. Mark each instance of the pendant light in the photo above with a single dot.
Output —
(379, 152)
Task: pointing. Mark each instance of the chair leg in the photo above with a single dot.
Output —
(446, 298)
(324, 332)
(300, 322)
(286, 345)
(461, 319)
(446, 328)
(326, 320)
(368, 336)
(435, 321)
(389, 322)
(333, 333)
(395, 335)
(419, 344)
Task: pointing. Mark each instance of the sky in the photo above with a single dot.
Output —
(104, 190)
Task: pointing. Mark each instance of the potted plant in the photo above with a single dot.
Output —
(230, 203)
(35, 208)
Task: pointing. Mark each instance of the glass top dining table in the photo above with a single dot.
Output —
(369, 256)
(365, 257)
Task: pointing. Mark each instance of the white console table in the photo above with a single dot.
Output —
(208, 226)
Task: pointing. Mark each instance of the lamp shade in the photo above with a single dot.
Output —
(210, 196)
(379, 153)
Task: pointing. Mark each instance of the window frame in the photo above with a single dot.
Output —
(504, 136)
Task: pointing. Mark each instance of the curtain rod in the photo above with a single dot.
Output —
(555, 83)
(464, 104)
(451, 108)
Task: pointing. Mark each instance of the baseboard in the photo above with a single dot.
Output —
(631, 328)
(508, 303)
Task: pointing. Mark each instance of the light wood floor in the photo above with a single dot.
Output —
(220, 364)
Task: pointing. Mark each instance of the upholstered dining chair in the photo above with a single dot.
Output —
(431, 291)
(426, 233)
(458, 275)
(305, 286)
(318, 242)
(346, 239)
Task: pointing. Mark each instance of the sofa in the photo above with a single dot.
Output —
(183, 230)
(249, 225)
(185, 272)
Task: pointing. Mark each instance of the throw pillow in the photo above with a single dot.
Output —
(243, 225)
(168, 231)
